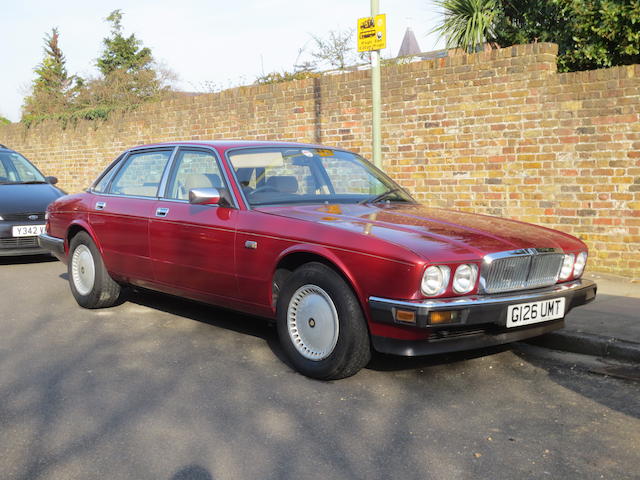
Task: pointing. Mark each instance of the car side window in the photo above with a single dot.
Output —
(193, 169)
(103, 182)
(4, 175)
(141, 174)
(101, 186)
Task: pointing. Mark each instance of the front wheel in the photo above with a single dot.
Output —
(91, 284)
(321, 325)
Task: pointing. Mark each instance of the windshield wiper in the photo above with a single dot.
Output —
(28, 182)
(382, 196)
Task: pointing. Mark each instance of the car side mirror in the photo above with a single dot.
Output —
(51, 180)
(204, 196)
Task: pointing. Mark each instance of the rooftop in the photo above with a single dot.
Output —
(225, 144)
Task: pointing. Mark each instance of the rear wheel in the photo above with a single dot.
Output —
(91, 285)
(321, 325)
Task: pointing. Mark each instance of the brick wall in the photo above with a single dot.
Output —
(498, 132)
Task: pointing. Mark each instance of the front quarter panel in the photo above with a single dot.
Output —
(371, 266)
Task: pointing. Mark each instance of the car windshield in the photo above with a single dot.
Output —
(284, 175)
(14, 168)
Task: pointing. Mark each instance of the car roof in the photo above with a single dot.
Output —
(226, 144)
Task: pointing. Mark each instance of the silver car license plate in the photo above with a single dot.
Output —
(535, 312)
(28, 230)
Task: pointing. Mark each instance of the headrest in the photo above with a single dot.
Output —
(202, 180)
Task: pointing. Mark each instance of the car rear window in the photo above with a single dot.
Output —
(141, 174)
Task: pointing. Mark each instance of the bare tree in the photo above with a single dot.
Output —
(337, 50)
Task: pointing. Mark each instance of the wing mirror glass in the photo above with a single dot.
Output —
(204, 196)
(51, 180)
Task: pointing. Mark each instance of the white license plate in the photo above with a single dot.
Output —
(534, 312)
(28, 230)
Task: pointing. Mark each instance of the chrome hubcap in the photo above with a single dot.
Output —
(83, 269)
(312, 321)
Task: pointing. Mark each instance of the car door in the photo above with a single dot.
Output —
(192, 246)
(120, 215)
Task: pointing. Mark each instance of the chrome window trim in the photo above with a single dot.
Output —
(111, 169)
(137, 197)
(139, 151)
(165, 174)
(161, 192)
(235, 177)
(175, 200)
(116, 165)
(218, 159)
(121, 160)
(491, 257)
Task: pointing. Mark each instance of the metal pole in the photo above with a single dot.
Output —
(376, 97)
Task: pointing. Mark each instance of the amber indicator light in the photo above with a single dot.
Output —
(406, 316)
(443, 317)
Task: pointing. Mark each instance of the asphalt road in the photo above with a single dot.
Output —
(160, 388)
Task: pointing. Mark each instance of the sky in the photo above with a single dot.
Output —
(226, 43)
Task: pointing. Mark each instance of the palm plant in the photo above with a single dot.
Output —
(467, 24)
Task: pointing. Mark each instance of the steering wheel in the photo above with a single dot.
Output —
(264, 189)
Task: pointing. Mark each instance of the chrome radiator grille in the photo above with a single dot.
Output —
(520, 270)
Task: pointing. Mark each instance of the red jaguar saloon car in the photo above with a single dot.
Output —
(321, 242)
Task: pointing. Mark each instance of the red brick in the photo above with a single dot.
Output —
(499, 133)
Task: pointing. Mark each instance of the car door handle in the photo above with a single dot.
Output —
(100, 205)
(162, 212)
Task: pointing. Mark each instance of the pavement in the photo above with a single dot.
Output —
(607, 327)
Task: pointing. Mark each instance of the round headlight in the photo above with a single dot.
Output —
(435, 280)
(567, 266)
(581, 261)
(465, 278)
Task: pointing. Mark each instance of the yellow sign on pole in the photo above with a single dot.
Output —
(372, 33)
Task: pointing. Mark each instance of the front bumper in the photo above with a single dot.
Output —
(482, 319)
(18, 252)
(16, 246)
(11, 246)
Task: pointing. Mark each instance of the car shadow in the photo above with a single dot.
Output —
(264, 329)
(192, 472)
(211, 315)
(582, 381)
(392, 363)
(27, 259)
(568, 373)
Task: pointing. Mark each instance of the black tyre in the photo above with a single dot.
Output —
(320, 324)
(91, 285)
